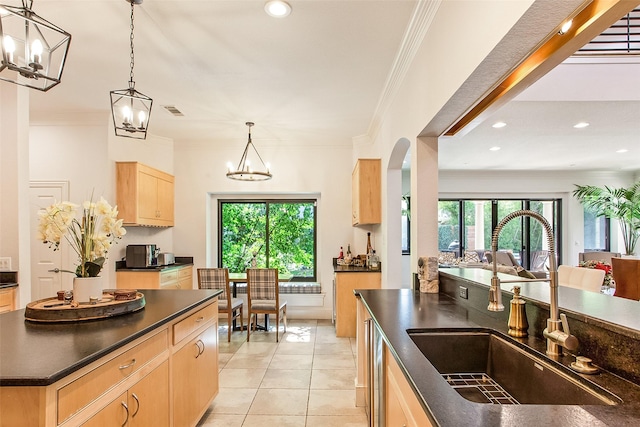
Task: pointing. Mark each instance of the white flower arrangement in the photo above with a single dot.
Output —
(90, 236)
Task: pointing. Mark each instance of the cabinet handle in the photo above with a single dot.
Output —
(126, 408)
(137, 404)
(200, 350)
(128, 365)
(199, 319)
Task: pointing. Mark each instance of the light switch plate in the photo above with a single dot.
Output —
(5, 263)
(463, 292)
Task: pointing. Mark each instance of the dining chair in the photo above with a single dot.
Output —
(218, 278)
(263, 297)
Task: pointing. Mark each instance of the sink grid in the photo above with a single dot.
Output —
(479, 388)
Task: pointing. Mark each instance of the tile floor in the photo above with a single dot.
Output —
(305, 380)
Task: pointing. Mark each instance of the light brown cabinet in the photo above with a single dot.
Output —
(8, 299)
(402, 407)
(149, 381)
(171, 278)
(144, 404)
(346, 300)
(366, 202)
(144, 195)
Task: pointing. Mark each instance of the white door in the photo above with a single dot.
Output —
(46, 280)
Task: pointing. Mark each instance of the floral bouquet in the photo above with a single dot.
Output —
(90, 236)
(600, 265)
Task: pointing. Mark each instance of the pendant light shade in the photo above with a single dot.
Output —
(33, 49)
(131, 109)
(244, 171)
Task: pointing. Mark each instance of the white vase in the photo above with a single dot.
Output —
(85, 288)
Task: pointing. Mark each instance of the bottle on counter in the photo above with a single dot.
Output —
(348, 257)
(341, 256)
(369, 249)
(374, 261)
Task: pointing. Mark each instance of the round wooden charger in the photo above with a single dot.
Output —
(54, 310)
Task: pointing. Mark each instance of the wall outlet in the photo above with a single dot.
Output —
(5, 263)
(462, 291)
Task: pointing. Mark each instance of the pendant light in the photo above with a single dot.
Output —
(244, 172)
(33, 49)
(131, 109)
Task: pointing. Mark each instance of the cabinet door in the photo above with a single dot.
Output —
(148, 399)
(346, 300)
(197, 360)
(114, 414)
(147, 196)
(165, 200)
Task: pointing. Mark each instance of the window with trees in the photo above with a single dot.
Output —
(467, 225)
(596, 232)
(275, 233)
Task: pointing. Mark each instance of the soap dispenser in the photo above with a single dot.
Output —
(518, 325)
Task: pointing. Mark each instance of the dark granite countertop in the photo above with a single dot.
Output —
(120, 266)
(8, 285)
(352, 269)
(395, 311)
(38, 354)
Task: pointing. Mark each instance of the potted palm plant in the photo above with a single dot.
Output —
(621, 204)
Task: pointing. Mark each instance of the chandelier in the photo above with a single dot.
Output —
(33, 49)
(131, 109)
(244, 172)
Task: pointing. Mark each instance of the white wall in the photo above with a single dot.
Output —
(303, 169)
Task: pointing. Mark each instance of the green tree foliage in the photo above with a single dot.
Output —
(279, 234)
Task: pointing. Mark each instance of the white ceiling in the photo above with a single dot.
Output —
(317, 76)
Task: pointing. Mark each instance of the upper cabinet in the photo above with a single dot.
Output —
(365, 192)
(144, 195)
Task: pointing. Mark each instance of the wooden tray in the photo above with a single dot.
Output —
(51, 310)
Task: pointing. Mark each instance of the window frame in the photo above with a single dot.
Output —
(267, 202)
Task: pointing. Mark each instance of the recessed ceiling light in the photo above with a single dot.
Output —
(494, 148)
(277, 8)
(581, 125)
(565, 27)
(498, 125)
(622, 150)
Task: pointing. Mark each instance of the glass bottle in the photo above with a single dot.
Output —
(369, 249)
(341, 256)
(374, 261)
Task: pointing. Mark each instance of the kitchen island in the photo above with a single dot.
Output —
(156, 366)
(393, 312)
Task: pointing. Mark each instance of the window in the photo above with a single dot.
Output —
(406, 225)
(467, 225)
(596, 232)
(276, 233)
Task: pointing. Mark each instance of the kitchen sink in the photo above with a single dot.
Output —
(485, 366)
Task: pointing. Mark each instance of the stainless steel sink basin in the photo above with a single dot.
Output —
(487, 367)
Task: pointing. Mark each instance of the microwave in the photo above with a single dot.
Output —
(141, 256)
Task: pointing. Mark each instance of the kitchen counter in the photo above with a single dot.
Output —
(352, 269)
(395, 311)
(180, 262)
(39, 354)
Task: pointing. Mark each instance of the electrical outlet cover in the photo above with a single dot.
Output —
(5, 263)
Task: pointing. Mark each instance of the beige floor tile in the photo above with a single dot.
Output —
(333, 379)
(333, 402)
(248, 361)
(338, 421)
(233, 401)
(221, 420)
(274, 420)
(324, 322)
(280, 402)
(324, 338)
(258, 348)
(223, 358)
(286, 347)
(287, 378)
(343, 347)
(330, 361)
(241, 378)
(228, 347)
(291, 361)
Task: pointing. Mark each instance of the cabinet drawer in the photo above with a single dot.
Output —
(82, 391)
(6, 297)
(168, 276)
(184, 272)
(192, 323)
